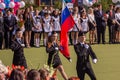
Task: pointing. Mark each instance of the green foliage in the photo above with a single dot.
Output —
(105, 4)
(58, 4)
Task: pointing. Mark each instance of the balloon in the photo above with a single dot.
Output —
(2, 5)
(7, 3)
(17, 4)
(90, 4)
(115, 1)
(22, 4)
(11, 4)
(85, 2)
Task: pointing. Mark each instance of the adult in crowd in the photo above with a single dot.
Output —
(52, 49)
(28, 26)
(83, 51)
(17, 46)
(117, 27)
(1, 29)
(92, 25)
(111, 24)
(10, 23)
(32, 12)
(101, 24)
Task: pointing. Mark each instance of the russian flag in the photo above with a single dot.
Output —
(67, 23)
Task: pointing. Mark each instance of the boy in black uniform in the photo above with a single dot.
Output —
(83, 51)
(17, 46)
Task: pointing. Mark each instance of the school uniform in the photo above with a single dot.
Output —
(37, 24)
(83, 51)
(18, 57)
(77, 24)
(53, 55)
(117, 17)
(56, 23)
(47, 24)
(84, 25)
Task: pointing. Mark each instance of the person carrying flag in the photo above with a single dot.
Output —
(52, 49)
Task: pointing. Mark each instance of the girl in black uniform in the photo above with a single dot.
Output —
(53, 58)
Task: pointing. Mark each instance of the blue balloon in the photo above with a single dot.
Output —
(90, 0)
(17, 0)
(7, 3)
(68, 0)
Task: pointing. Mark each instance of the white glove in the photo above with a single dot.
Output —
(56, 48)
(23, 45)
(86, 46)
(94, 61)
(70, 60)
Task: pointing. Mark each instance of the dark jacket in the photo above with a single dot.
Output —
(2, 24)
(110, 18)
(83, 54)
(100, 18)
(10, 23)
(18, 57)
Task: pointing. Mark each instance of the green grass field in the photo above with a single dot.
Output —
(107, 68)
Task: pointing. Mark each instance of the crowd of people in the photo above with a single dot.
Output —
(26, 27)
(35, 23)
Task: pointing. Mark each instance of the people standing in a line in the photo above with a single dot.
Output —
(47, 26)
(37, 28)
(10, 22)
(28, 26)
(77, 26)
(17, 46)
(52, 49)
(92, 25)
(117, 26)
(1, 29)
(101, 24)
(83, 52)
(111, 24)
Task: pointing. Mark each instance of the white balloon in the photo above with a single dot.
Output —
(90, 4)
(85, 2)
(22, 4)
(2, 5)
(115, 1)
(11, 4)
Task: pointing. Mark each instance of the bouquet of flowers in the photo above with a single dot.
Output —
(21, 23)
(50, 69)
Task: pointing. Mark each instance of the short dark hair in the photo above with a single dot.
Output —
(16, 74)
(33, 74)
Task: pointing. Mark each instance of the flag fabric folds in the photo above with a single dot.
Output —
(67, 23)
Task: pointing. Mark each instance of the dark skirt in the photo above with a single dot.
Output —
(117, 27)
(54, 60)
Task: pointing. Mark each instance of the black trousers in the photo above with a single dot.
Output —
(89, 71)
(32, 39)
(101, 33)
(8, 39)
(111, 29)
(1, 39)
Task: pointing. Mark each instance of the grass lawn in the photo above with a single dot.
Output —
(107, 68)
